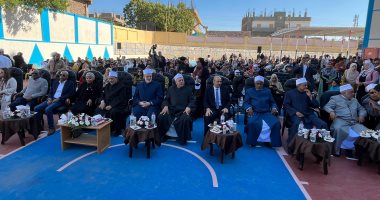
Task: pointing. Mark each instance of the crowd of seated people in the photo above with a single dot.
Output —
(178, 92)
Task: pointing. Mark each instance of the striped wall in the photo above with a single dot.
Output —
(372, 29)
(37, 35)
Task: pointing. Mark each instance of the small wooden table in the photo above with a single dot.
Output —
(321, 150)
(370, 147)
(101, 140)
(149, 136)
(228, 143)
(10, 126)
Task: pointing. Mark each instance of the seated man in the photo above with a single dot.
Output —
(216, 102)
(178, 104)
(346, 113)
(148, 96)
(298, 104)
(372, 104)
(86, 96)
(37, 87)
(59, 95)
(262, 126)
(114, 103)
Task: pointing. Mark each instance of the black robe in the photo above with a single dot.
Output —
(85, 92)
(116, 97)
(177, 99)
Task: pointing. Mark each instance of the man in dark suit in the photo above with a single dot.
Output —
(216, 102)
(59, 95)
(304, 70)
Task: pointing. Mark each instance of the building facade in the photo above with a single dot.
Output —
(264, 25)
(109, 17)
(79, 7)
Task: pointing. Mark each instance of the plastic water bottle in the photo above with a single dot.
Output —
(132, 120)
(69, 115)
(300, 129)
(222, 118)
(27, 110)
(241, 102)
(153, 118)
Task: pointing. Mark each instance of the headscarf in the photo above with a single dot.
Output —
(370, 69)
(351, 73)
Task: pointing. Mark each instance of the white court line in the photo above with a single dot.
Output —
(209, 167)
(304, 183)
(18, 149)
(298, 182)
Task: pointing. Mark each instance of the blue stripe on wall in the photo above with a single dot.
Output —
(76, 29)
(1, 24)
(97, 32)
(45, 27)
(368, 23)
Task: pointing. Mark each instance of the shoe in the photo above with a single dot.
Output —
(115, 133)
(268, 144)
(51, 131)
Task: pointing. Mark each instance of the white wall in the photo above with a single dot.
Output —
(104, 33)
(76, 50)
(264, 24)
(22, 25)
(295, 23)
(86, 31)
(62, 27)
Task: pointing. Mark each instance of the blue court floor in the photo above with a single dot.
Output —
(43, 171)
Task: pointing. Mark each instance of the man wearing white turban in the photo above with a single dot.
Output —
(175, 118)
(347, 115)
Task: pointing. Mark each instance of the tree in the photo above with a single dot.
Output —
(60, 5)
(157, 16)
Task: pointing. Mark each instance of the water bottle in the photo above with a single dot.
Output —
(69, 115)
(241, 102)
(27, 110)
(132, 120)
(313, 137)
(153, 118)
(300, 129)
(222, 118)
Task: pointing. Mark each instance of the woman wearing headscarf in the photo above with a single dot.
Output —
(350, 75)
(8, 86)
(86, 95)
(200, 74)
(327, 76)
(367, 76)
(277, 90)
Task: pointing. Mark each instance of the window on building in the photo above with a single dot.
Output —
(258, 25)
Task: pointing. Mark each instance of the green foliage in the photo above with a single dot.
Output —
(141, 13)
(60, 5)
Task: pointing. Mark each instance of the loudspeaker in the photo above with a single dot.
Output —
(118, 45)
(259, 49)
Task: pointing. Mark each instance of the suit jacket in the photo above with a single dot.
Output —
(67, 92)
(209, 99)
(310, 71)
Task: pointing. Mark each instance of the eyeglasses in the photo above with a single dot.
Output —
(372, 92)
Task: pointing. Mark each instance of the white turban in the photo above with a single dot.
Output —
(301, 81)
(370, 87)
(259, 78)
(178, 76)
(112, 74)
(345, 87)
(147, 71)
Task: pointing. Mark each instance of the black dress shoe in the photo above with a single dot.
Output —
(51, 131)
(115, 133)
(268, 144)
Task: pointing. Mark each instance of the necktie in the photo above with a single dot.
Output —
(217, 98)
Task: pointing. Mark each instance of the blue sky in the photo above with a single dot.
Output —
(227, 14)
